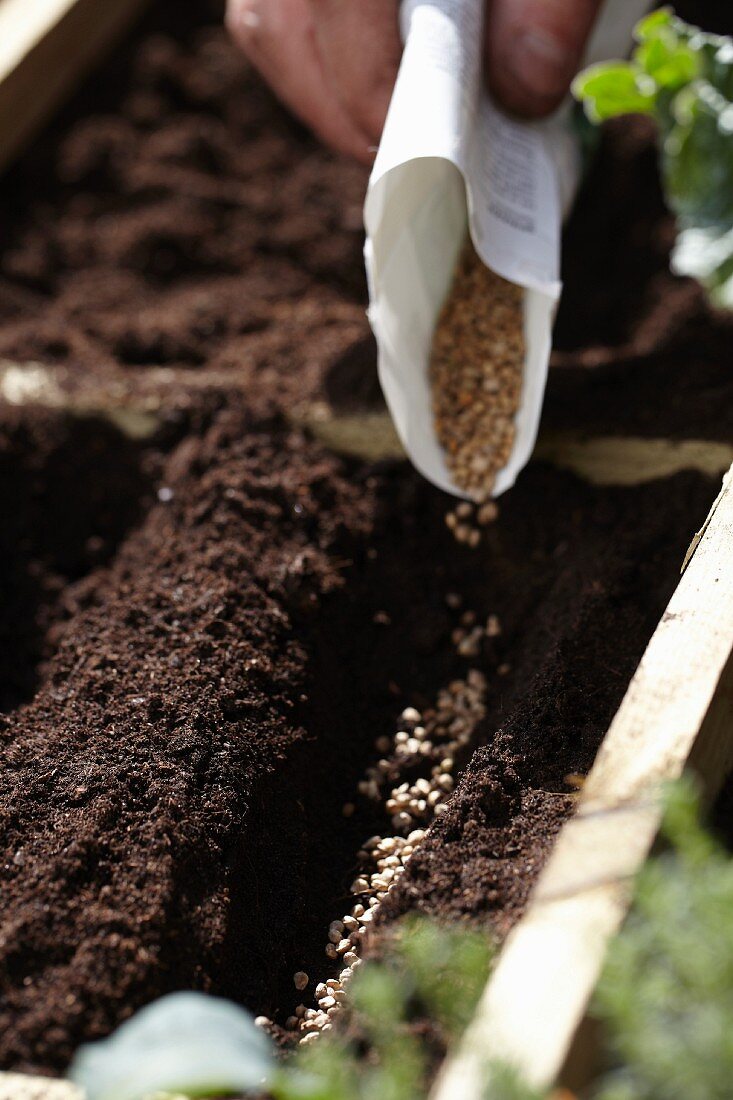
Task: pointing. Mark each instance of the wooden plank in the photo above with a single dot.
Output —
(630, 460)
(15, 1086)
(46, 47)
(678, 710)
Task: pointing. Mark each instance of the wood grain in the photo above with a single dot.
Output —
(678, 710)
(46, 47)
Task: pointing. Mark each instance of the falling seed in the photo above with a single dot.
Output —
(487, 513)
(300, 979)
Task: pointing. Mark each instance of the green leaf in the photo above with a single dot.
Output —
(683, 77)
(670, 63)
(185, 1043)
(614, 88)
(651, 23)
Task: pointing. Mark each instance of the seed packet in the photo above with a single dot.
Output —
(450, 163)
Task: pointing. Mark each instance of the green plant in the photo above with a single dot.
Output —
(404, 1011)
(683, 78)
(666, 995)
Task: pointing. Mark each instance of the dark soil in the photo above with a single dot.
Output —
(207, 628)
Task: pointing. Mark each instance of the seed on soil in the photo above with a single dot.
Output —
(441, 730)
(469, 644)
(575, 781)
(300, 979)
(493, 626)
(476, 374)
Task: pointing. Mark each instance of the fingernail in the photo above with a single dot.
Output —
(243, 16)
(541, 63)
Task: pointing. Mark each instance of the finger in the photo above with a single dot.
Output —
(278, 37)
(360, 48)
(534, 49)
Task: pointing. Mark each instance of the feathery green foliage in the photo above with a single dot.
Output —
(431, 973)
(666, 995)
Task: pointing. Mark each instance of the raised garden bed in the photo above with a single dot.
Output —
(213, 615)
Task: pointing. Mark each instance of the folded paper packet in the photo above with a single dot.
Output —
(450, 159)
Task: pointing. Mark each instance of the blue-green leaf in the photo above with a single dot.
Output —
(185, 1043)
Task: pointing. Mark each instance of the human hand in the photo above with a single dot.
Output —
(334, 62)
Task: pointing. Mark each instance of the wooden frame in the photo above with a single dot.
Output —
(678, 710)
(46, 47)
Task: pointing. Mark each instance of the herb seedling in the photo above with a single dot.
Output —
(683, 78)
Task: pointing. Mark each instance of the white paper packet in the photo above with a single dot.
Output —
(448, 158)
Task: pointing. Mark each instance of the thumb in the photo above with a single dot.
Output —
(534, 49)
